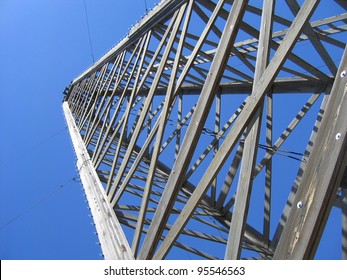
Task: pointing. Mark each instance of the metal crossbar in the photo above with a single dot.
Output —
(216, 129)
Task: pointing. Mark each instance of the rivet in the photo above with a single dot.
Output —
(299, 205)
(338, 136)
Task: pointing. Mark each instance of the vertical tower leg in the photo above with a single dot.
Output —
(344, 223)
(321, 179)
(113, 242)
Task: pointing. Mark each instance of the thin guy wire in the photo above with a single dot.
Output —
(37, 203)
(90, 39)
(3, 165)
(146, 6)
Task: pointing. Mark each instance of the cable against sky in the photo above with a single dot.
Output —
(20, 156)
(37, 203)
(89, 36)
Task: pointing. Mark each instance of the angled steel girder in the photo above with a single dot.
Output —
(205, 128)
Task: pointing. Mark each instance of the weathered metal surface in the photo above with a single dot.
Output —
(202, 126)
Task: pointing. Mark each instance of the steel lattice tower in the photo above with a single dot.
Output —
(216, 129)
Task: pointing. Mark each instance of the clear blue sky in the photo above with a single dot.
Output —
(43, 46)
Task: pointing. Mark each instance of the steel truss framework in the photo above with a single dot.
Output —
(217, 130)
